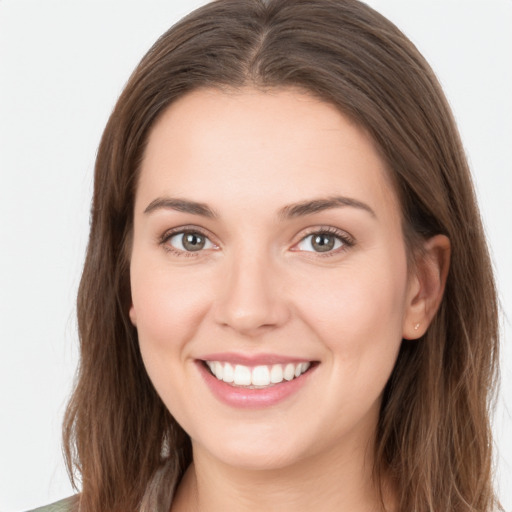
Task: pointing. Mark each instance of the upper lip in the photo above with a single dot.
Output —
(253, 359)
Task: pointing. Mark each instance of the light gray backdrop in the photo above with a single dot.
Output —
(62, 65)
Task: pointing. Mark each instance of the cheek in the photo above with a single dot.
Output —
(357, 312)
(168, 307)
(357, 317)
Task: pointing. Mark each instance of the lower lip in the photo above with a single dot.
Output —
(246, 398)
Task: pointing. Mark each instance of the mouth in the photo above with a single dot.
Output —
(257, 377)
(255, 381)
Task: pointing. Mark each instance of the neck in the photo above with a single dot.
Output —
(338, 480)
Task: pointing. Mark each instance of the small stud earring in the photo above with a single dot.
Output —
(416, 327)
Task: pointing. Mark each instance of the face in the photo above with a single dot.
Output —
(269, 276)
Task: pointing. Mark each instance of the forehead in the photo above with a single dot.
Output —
(241, 148)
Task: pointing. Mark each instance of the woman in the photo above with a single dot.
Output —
(278, 307)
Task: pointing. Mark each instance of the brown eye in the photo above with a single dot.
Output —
(190, 241)
(193, 241)
(321, 242)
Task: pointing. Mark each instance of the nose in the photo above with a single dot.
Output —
(251, 300)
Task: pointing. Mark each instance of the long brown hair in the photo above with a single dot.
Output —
(433, 435)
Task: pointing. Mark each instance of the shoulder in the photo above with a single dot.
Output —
(64, 505)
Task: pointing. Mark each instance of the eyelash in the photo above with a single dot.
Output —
(346, 240)
(181, 231)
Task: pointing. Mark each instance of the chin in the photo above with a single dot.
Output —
(257, 460)
(252, 451)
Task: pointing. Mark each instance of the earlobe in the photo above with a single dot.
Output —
(133, 316)
(427, 286)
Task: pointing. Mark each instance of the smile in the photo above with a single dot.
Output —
(255, 382)
(256, 377)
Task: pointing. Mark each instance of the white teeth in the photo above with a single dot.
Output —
(276, 374)
(228, 374)
(257, 376)
(289, 371)
(260, 376)
(242, 375)
(218, 370)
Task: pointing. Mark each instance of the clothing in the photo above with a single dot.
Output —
(59, 506)
(158, 496)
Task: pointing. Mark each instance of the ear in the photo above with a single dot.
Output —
(133, 316)
(426, 286)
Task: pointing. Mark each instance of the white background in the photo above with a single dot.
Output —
(62, 65)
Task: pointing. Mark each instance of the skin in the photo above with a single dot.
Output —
(259, 286)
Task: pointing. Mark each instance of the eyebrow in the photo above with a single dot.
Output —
(181, 205)
(318, 205)
(291, 211)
